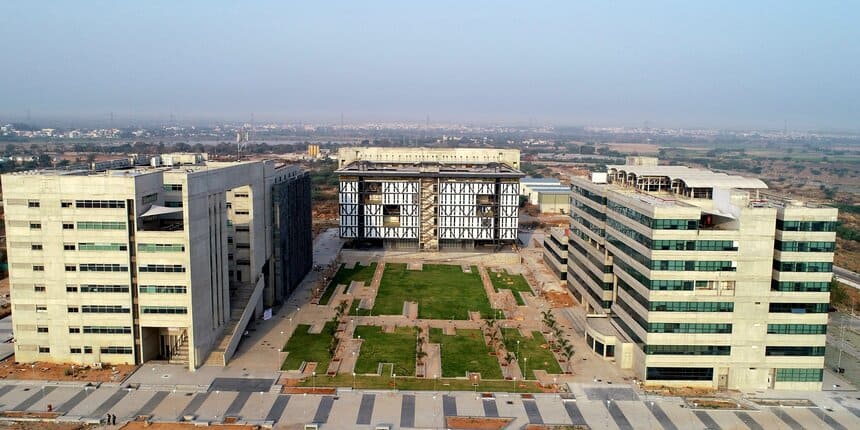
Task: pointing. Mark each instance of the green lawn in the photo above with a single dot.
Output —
(515, 283)
(442, 292)
(304, 346)
(379, 347)
(539, 358)
(346, 276)
(426, 384)
(466, 352)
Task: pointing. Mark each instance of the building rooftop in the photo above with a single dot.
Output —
(691, 178)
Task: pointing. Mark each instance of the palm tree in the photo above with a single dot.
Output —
(568, 353)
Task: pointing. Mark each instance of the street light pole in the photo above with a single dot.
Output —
(353, 380)
(314, 386)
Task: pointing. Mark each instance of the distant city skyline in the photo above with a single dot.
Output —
(732, 65)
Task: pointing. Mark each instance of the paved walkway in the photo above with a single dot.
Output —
(596, 405)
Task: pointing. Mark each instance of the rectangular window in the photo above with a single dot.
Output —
(38, 268)
(71, 288)
(115, 350)
(680, 373)
(68, 226)
(164, 309)
(163, 268)
(41, 329)
(35, 246)
(72, 309)
(172, 187)
(74, 350)
(242, 228)
(243, 212)
(790, 246)
(33, 203)
(35, 226)
(88, 350)
(94, 329)
(101, 225)
(100, 204)
(162, 289)
(103, 267)
(241, 195)
(797, 328)
(160, 247)
(74, 330)
(87, 288)
(687, 350)
(796, 286)
(66, 204)
(41, 308)
(68, 247)
(89, 246)
(805, 267)
(794, 351)
(149, 198)
(243, 246)
(104, 309)
(799, 308)
(827, 226)
(173, 204)
(799, 375)
(71, 268)
(39, 288)
(44, 350)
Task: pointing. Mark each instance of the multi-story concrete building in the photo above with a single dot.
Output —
(698, 278)
(429, 198)
(143, 263)
(555, 251)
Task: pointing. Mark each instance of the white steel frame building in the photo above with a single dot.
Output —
(429, 198)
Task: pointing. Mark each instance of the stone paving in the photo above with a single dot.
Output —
(595, 405)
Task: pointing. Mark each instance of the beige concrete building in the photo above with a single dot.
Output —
(696, 278)
(555, 251)
(429, 199)
(145, 263)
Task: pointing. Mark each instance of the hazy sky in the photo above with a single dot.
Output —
(685, 63)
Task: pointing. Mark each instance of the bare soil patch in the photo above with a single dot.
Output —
(477, 423)
(9, 369)
(141, 425)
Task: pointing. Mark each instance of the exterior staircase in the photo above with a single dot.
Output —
(428, 214)
(243, 300)
(180, 353)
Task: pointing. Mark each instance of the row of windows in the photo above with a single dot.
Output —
(586, 223)
(102, 309)
(101, 225)
(806, 267)
(794, 246)
(163, 309)
(605, 286)
(596, 198)
(698, 266)
(654, 224)
(103, 204)
(799, 308)
(115, 350)
(797, 328)
(163, 289)
(827, 226)
(656, 285)
(172, 187)
(95, 329)
(103, 267)
(160, 247)
(679, 373)
(172, 204)
(673, 245)
(799, 375)
(692, 306)
(688, 349)
(692, 328)
(87, 288)
(607, 268)
(589, 210)
(796, 286)
(794, 351)
(149, 198)
(594, 294)
(166, 268)
(87, 246)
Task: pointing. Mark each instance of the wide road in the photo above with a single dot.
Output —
(847, 277)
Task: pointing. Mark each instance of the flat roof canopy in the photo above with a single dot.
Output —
(692, 178)
(156, 210)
